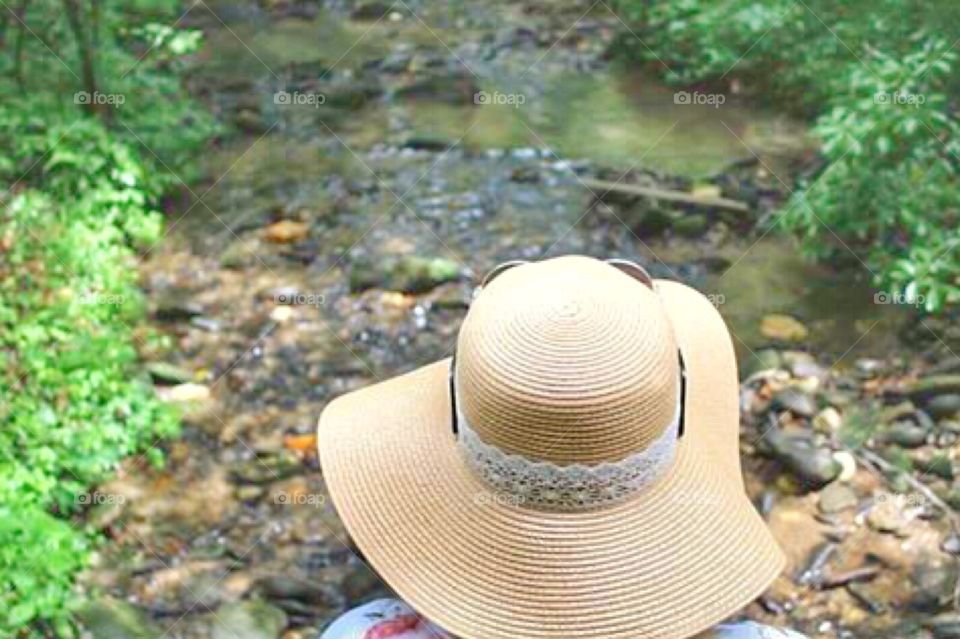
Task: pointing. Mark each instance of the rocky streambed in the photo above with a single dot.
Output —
(334, 244)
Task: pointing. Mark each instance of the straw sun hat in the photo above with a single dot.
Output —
(572, 473)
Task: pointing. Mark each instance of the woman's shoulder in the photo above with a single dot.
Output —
(383, 619)
(749, 630)
(394, 619)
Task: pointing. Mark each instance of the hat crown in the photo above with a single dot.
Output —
(569, 361)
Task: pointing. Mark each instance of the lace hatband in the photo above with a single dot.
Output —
(552, 486)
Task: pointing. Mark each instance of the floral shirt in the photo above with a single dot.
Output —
(393, 619)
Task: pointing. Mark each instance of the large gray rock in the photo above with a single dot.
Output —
(814, 467)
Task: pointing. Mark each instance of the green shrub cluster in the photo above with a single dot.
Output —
(82, 186)
(877, 76)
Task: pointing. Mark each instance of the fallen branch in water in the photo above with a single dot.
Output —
(602, 187)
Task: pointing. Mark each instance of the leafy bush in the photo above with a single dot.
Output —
(84, 178)
(888, 192)
(878, 81)
(74, 403)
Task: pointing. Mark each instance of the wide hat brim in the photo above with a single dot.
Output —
(673, 560)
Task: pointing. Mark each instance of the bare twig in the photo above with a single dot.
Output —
(605, 186)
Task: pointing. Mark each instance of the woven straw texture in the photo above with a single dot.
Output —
(673, 560)
(568, 360)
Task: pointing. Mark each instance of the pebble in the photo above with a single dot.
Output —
(848, 464)
(870, 367)
(803, 364)
(186, 393)
(828, 420)
(836, 498)
(885, 516)
(784, 328)
(286, 231)
(951, 544)
(282, 314)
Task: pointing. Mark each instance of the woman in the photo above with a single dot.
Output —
(573, 472)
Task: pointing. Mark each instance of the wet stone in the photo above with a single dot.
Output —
(906, 435)
(249, 620)
(897, 412)
(802, 364)
(933, 583)
(267, 468)
(944, 406)
(828, 420)
(936, 385)
(408, 274)
(938, 465)
(885, 516)
(796, 401)
(691, 225)
(109, 618)
(945, 626)
(166, 373)
(812, 466)
(868, 367)
(308, 592)
(836, 498)
(765, 359)
(783, 328)
(650, 221)
(951, 544)
(371, 11)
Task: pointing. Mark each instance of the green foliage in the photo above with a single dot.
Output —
(888, 192)
(84, 177)
(118, 61)
(877, 75)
